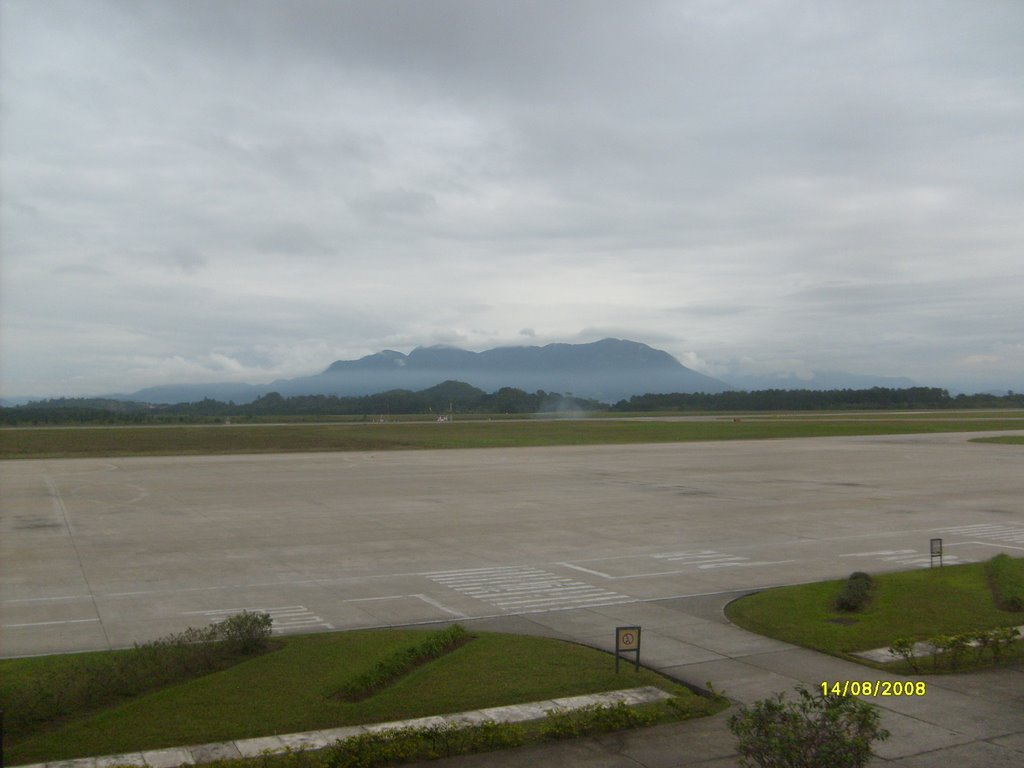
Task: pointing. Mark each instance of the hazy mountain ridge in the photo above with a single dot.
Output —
(607, 370)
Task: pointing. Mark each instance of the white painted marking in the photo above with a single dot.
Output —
(748, 564)
(436, 604)
(519, 587)
(282, 618)
(994, 531)
(47, 623)
(45, 599)
(881, 552)
(701, 560)
(587, 570)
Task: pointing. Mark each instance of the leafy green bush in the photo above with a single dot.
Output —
(245, 632)
(904, 648)
(856, 593)
(388, 670)
(950, 651)
(1006, 580)
(815, 731)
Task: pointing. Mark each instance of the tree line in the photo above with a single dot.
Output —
(453, 397)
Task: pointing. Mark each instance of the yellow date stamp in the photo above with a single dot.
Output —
(874, 688)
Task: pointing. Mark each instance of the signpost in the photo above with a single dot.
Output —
(627, 640)
(936, 550)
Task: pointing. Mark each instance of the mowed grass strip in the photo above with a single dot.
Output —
(916, 604)
(45, 442)
(1003, 440)
(289, 690)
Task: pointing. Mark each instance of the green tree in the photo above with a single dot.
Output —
(812, 732)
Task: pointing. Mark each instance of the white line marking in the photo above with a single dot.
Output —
(282, 618)
(985, 544)
(47, 623)
(746, 564)
(45, 599)
(436, 604)
(371, 599)
(881, 552)
(518, 587)
(587, 570)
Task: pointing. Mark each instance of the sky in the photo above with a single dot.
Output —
(244, 190)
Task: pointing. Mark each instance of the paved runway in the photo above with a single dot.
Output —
(103, 553)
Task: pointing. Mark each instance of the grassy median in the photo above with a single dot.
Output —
(917, 604)
(48, 442)
(293, 689)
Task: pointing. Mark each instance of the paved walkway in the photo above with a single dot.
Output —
(970, 721)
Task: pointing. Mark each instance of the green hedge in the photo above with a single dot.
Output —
(399, 664)
(1006, 579)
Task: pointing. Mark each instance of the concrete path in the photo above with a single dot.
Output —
(970, 721)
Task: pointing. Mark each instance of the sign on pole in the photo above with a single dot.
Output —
(936, 549)
(627, 640)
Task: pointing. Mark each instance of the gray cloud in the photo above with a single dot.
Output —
(826, 185)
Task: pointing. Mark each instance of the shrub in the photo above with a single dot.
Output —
(406, 744)
(245, 632)
(1002, 639)
(856, 593)
(954, 648)
(1006, 580)
(594, 718)
(400, 663)
(813, 731)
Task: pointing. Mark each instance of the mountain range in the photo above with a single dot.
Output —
(606, 370)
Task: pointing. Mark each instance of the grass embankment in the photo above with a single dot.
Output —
(295, 688)
(917, 605)
(196, 440)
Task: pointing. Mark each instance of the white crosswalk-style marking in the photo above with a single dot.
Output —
(705, 559)
(289, 617)
(909, 557)
(525, 588)
(700, 558)
(993, 531)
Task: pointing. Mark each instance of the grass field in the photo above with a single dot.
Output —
(916, 604)
(45, 442)
(289, 690)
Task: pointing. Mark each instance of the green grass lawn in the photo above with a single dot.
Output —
(45, 442)
(289, 690)
(916, 604)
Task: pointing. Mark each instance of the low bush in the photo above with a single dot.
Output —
(1006, 580)
(950, 651)
(856, 593)
(594, 718)
(814, 731)
(399, 664)
(404, 745)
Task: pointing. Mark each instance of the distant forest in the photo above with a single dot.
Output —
(453, 397)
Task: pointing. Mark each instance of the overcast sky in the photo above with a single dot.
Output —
(244, 190)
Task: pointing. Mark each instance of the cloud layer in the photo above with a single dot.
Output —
(246, 190)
